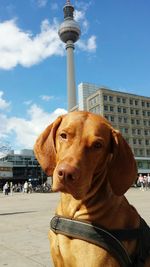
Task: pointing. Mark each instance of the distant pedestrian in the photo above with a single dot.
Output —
(6, 188)
(25, 187)
(30, 188)
(141, 182)
(145, 182)
(11, 188)
(148, 180)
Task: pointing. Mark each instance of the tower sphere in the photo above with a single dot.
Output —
(69, 29)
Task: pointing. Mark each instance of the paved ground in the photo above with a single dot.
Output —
(24, 224)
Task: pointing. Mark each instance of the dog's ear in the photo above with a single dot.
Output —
(44, 147)
(123, 171)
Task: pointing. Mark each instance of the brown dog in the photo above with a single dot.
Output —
(93, 166)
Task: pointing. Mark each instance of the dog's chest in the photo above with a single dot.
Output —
(73, 251)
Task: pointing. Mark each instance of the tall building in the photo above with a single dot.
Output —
(126, 112)
(85, 90)
(69, 32)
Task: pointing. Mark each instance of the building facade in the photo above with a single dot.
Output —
(128, 113)
(22, 167)
(84, 91)
(6, 170)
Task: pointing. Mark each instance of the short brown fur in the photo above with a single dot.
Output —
(93, 166)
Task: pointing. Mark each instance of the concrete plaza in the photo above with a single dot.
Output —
(24, 224)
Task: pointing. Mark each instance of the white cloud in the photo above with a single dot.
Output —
(79, 16)
(91, 43)
(3, 103)
(22, 132)
(26, 131)
(19, 47)
(3, 126)
(88, 45)
(4, 148)
(46, 97)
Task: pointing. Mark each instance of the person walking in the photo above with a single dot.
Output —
(141, 182)
(25, 187)
(148, 180)
(6, 188)
(30, 188)
(145, 182)
(11, 188)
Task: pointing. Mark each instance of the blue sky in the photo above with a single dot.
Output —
(114, 50)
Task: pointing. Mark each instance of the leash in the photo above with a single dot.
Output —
(93, 234)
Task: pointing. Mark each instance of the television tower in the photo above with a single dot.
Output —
(69, 32)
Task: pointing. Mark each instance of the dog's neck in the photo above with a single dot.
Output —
(100, 206)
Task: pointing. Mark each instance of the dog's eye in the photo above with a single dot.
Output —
(63, 136)
(97, 145)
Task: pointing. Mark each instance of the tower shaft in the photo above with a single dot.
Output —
(71, 85)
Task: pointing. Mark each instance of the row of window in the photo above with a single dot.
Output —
(125, 130)
(145, 132)
(136, 131)
(93, 101)
(125, 120)
(135, 121)
(141, 152)
(143, 165)
(95, 110)
(16, 158)
(146, 123)
(110, 118)
(123, 100)
(124, 110)
(5, 169)
(25, 163)
(137, 141)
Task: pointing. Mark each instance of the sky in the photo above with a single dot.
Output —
(113, 51)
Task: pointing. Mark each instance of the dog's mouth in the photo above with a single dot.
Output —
(62, 186)
(58, 186)
(71, 187)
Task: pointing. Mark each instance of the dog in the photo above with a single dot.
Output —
(92, 166)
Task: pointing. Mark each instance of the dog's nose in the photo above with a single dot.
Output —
(67, 172)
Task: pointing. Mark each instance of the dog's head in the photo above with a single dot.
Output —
(81, 145)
